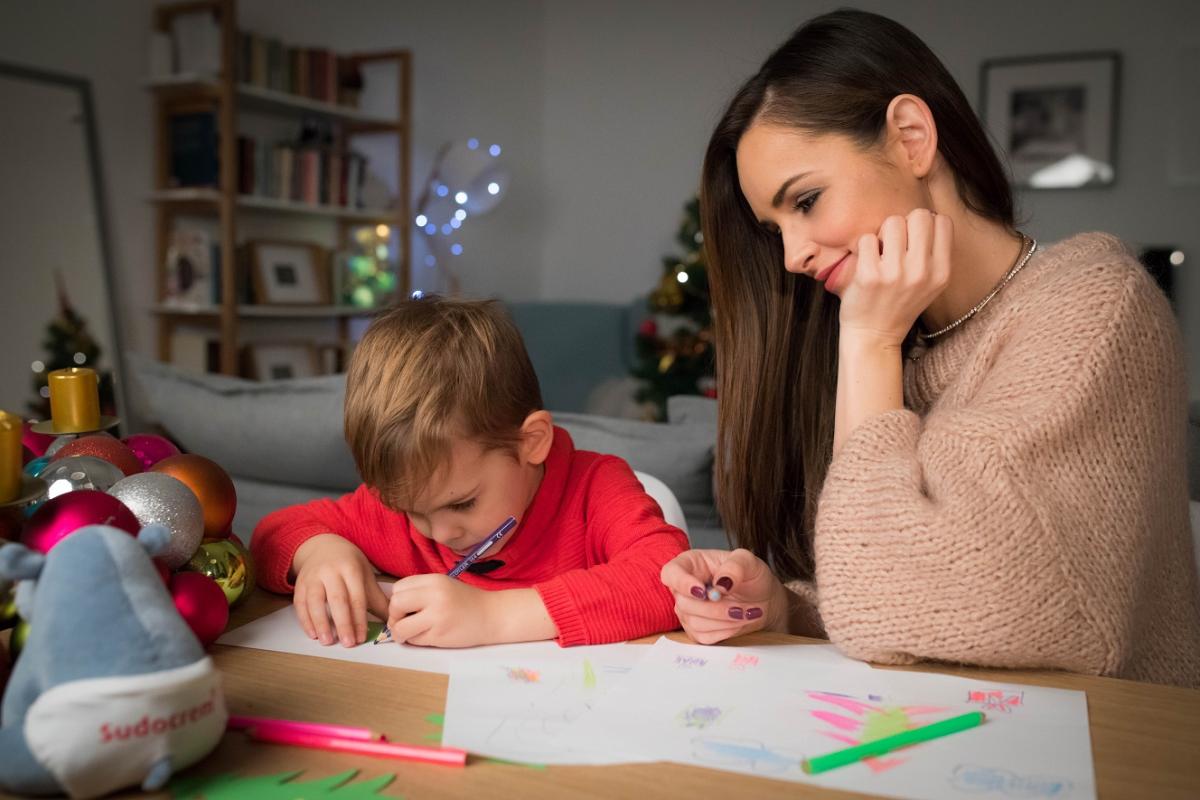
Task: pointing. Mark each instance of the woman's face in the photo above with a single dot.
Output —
(820, 193)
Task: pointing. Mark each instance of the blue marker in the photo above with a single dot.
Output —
(470, 558)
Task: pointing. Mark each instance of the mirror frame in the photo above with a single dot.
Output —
(92, 144)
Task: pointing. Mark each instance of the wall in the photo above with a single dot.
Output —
(604, 108)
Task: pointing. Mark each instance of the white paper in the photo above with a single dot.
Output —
(281, 632)
(517, 709)
(762, 710)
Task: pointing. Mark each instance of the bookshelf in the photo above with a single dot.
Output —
(226, 95)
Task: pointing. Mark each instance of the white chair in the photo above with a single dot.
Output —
(662, 494)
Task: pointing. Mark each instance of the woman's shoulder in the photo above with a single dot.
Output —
(1091, 278)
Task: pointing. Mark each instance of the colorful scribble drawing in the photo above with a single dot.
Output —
(996, 699)
(852, 721)
(744, 753)
(690, 662)
(522, 675)
(988, 780)
(742, 662)
(700, 716)
(589, 675)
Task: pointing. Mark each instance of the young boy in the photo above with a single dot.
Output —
(444, 417)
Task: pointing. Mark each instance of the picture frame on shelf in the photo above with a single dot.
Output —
(1054, 117)
(289, 273)
(191, 269)
(282, 360)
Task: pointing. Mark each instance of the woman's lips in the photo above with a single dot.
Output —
(826, 277)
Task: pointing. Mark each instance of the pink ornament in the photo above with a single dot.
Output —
(201, 603)
(150, 449)
(36, 442)
(61, 516)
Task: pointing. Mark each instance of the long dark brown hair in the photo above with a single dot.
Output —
(777, 332)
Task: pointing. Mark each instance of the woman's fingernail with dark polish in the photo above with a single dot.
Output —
(698, 592)
(753, 613)
(735, 613)
(725, 583)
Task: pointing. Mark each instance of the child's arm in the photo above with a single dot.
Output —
(620, 597)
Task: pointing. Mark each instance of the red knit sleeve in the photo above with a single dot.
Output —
(621, 597)
(358, 517)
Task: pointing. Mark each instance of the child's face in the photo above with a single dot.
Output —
(474, 494)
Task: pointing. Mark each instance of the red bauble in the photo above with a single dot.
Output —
(105, 448)
(211, 485)
(61, 516)
(36, 442)
(711, 392)
(164, 571)
(150, 449)
(201, 603)
(648, 328)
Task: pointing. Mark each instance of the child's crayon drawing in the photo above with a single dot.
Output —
(522, 675)
(745, 753)
(850, 722)
(700, 716)
(996, 699)
(989, 780)
(690, 662)
(742, 662)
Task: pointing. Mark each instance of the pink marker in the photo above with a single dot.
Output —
(446, 756)
(237, 723)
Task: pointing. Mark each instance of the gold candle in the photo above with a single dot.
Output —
(74, 400)
(10, 457)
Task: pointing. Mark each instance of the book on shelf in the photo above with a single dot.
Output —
(193, 142)
(313, 72)
(309, 173)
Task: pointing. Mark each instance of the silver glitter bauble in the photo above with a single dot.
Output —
(59, 443)
(79, 472)
(156, 498)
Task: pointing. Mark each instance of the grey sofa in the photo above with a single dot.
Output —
(282, 443)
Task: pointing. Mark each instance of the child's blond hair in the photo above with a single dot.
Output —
(425, 372)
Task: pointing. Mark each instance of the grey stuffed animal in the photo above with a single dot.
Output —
(112, 689)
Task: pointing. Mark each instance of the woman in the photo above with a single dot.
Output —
(938, 439)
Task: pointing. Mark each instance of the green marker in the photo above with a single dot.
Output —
(851, 755)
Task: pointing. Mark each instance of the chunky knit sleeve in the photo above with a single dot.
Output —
(1025, 518)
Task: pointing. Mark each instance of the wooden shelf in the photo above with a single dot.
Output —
(266, 312)
(257, 98)
(206, 200)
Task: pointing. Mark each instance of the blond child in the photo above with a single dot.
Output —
(444, 418)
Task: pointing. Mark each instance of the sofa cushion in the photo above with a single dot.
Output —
(287, 431)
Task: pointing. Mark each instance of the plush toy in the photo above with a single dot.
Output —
(111, 688)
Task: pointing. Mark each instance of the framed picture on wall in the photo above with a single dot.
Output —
(1054, 117)
(289, 273)
(277, 361)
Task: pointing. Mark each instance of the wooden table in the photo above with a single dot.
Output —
(1145, 738)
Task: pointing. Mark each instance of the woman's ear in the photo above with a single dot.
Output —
(912, 134)
(537, 435)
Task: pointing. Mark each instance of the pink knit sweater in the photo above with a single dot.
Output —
(1028, 507)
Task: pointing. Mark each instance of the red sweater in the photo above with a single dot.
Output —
(592, 543)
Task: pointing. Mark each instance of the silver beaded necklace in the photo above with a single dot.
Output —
(1012, 273)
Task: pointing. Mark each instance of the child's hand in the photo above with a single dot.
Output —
(752, 598)
(439, 611)
(332, 571)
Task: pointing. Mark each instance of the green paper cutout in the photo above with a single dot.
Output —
(277, 787)
(436, 719)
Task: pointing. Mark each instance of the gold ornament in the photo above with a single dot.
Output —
(669, 294)
(228, 563)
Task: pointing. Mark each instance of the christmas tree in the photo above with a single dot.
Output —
(675, 344)
(68, 343)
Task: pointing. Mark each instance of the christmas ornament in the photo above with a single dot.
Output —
(103, 447)
(164, 571)
(158, 499)
(211, 485)
(61, 516)
(36, 442)
(228, 563)
(36, 466)
(149, 448)
(79, 472)
(648, 328)
(17, 640)
(201, 603)
(58, 444)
